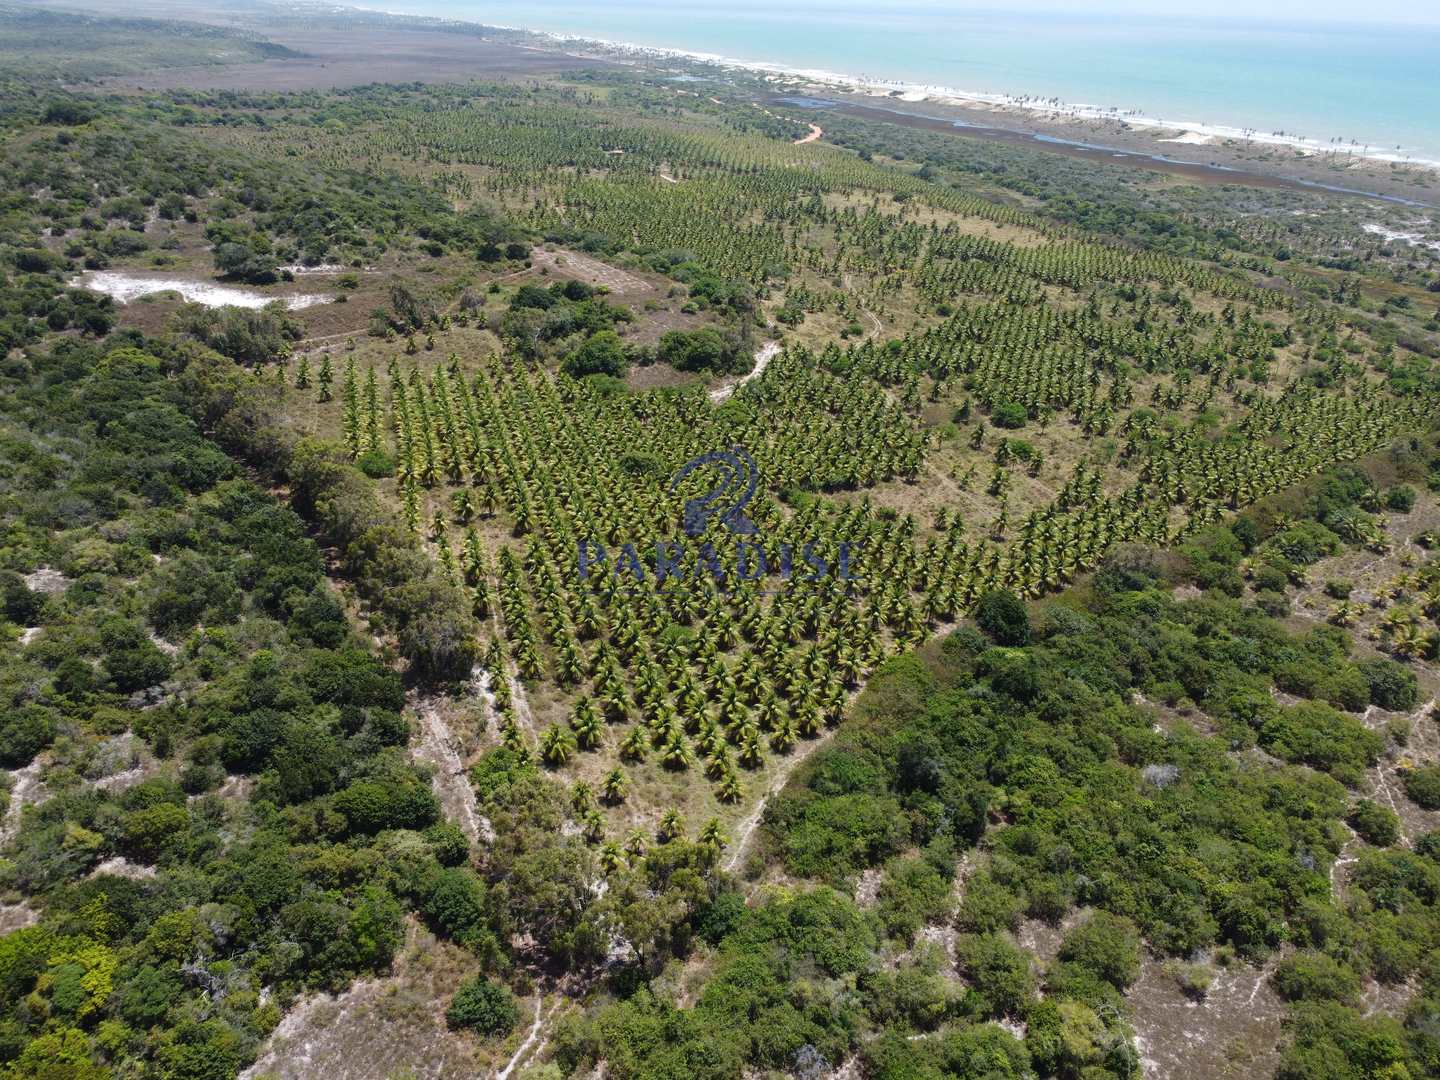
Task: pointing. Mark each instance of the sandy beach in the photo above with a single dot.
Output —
(1124, 136)
(427, 50)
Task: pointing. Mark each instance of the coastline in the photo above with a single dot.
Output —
(1294, 161)
(400, 47)
(1192, 132)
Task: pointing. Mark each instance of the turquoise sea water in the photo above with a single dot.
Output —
(1378, 85)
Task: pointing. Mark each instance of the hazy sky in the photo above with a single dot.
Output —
(1425, 11)
(1408, 11)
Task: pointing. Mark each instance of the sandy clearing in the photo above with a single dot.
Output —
(124, 288)
(562, 262)
(816, 131)
(16, 917)
(1191, 138)
(436, 747)
(25, 788)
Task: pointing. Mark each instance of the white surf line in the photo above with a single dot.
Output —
(763, 356)
(540, 1018)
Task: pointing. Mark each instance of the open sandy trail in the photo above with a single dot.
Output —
(541, 1019)
(436, 747)
(815, 132)
(25, 788)
(796, 759)
(777, 783)
(763, 356)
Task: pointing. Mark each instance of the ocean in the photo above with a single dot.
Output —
(1377, 85)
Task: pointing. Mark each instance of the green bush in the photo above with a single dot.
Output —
(1423, 786)
(998, 972)
(1317, 735)
(1107, 946)
(602, 353)
(482, 1006)
(1314, 976)
(1393, 686)
(376, 464)
(1009, 414)
(1003, 616)
(1374, 823)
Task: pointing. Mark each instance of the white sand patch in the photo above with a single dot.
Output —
(119, 866)
(126, 287)
(867, 889)
(16, 917)
(121, 763)
(29, 634)
(438, 748)
(1412, 239)
(46, 580)
(25, 788)
(1191, 138)
(167, 647)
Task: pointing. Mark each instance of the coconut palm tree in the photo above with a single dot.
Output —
(593, 823)
(713, 836)
(672, 827)
(674, 753)
(612, 857)
(556, 745)
(582, 797)
(588, 726)
(729, 790)
(614, 787)
(636, 745)
(635, 845)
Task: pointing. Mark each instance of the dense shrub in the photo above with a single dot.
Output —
(482, 1006)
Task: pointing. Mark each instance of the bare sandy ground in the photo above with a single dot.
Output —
(357, 57)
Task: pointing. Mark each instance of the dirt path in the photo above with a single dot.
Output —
(777, 782)
(25, 788)
(380, 1027)
(524, 718)
(542, 1018)
(436, 747)
(874, 319)
(763, 356)
(815, 132)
